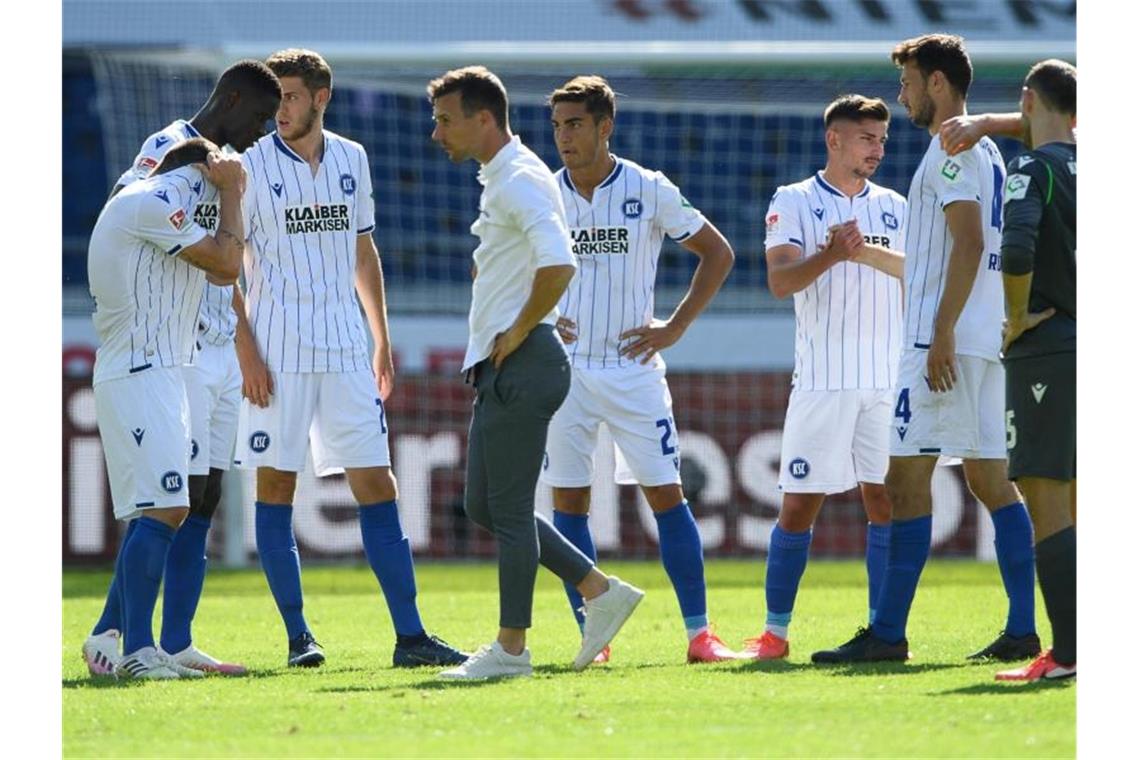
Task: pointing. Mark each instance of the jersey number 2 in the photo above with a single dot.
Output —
(667, 425)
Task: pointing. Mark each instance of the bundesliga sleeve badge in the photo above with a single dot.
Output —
(772, 223)
(177, 219)
(1016, 187)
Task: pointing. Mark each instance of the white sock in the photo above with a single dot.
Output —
(779, 630)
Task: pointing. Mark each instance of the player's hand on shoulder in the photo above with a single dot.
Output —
(225, 171)
(960, 133)
(567, 329)
(385, 371)
(649, 339)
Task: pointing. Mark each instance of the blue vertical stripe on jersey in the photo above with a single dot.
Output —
(299, 317)
(581, 264)
(137, 360)
(946, 240)
(336, 279)
(624, 260)
(260, 282)
(609, 272)
(593, 293)
(281, 259)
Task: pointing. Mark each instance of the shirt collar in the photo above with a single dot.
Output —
(835, 191)
(505, 155)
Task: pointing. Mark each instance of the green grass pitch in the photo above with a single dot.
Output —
(646, 702)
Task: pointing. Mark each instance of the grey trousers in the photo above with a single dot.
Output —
(506, 446)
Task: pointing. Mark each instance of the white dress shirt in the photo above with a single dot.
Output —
(521, 228)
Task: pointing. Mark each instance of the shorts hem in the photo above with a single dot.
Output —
(824, 488)
(323, 469)
(565, 482)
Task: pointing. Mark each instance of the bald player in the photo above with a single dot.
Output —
(619, 214)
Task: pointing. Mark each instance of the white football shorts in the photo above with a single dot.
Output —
(968, 421)
(833, 440)
(213, 388)
(144, 421)
(634, 402)
(339, 413)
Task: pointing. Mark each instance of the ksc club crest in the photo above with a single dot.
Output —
(348, 184)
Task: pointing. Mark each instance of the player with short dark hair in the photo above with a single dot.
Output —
(147, 328)
(950, 384)
(1039, 270)
(520, 371)
(245, 96)
(312, 265)
(619, 215)
(831, 242)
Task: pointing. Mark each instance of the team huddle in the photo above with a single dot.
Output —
(905, 311)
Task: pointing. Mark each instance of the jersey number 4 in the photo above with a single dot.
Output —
(902, 408)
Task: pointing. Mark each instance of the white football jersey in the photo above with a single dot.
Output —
(216, 321)
(849, 321)
(146, 297)
(976, 175)
(617, 239)
(300, 263)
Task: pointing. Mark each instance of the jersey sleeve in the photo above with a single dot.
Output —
(536, 207)
(365, 205)
(167, 225)
(675, 215)
(1024, 203)
(148, 158)
(958, 178)
(782, 222)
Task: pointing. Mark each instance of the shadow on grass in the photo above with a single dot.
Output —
(994, 687)
(865, 669)
(108, 682)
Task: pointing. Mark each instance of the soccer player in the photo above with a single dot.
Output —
(619, 214)
(245, 97)
(520, 370)
(1039, 271)
(310, 216)
(146, 326)
(848, 337)
(950, 383)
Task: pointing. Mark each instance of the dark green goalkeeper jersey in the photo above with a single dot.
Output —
(1039, 235)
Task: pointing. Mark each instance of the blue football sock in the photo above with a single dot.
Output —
(910, 546)
(112, 616)
(684, 561)
(277, 549)
(878, 546)
(787, 558)
(576, 529)
(144, 557)
(184, 576)
(390, 554)
(1013, 540)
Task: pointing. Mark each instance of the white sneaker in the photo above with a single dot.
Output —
(101, 653)
(146, 663)
(195, 659)
(605, 615)
(491, 661)
(183, 672)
